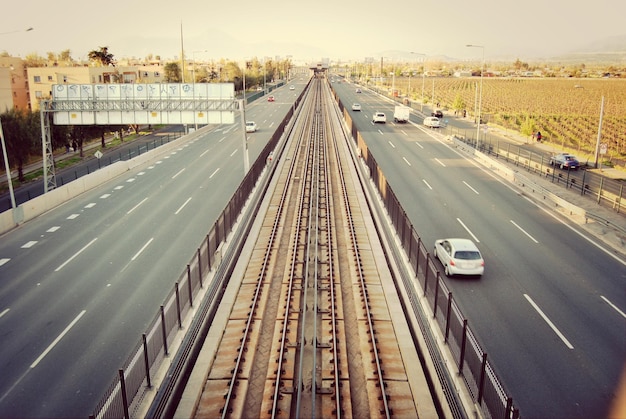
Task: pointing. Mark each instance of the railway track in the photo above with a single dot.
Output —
(309, 333)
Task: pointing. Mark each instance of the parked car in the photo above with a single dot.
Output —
(565, 161)
(250, 126)
(379, 117)
(270, 98)
(459, 257)
(356, 106)
(432, 122)
(438, 114)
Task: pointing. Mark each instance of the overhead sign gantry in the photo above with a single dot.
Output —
(120, 104)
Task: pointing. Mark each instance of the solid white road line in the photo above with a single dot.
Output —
(75, 254)
(468, 230)
(523, 231)
(53, 344)
(608, 302)
(547, 320)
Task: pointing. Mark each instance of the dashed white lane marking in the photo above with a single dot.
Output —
(75, 254)
(53, 344)
(29, 244)
(73, 216)
(4, 260)
(547, 320)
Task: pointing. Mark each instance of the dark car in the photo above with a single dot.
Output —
(565, 161)
(437, 114)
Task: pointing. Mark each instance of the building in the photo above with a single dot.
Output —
(13, 84)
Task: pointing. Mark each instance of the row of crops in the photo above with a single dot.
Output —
(566, 111)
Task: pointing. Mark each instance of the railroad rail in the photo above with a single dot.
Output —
(309, 332)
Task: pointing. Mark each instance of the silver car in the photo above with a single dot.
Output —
(459, 257)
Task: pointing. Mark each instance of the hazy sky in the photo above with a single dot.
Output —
(308, 31)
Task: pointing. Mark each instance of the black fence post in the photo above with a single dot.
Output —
(208, 251)
(164, 331)
(146, 359)
(180, 322)
(509, 407)
(189, 285)
(124, 397)
(481, 383)
(435, 301)
(463, 343)
(426, 274)
(200, 268)
(448, 316)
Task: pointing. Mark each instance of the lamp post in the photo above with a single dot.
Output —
(423, 76)
(7, 168)
(193, 80)
(480, 94)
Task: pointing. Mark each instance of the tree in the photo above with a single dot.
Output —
(172, 73)
(102, 57)
(459, 103)
(21, 131)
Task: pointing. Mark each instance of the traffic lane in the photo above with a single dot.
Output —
(78, 274)
(507, 227)
(536, 268)
(125, 307)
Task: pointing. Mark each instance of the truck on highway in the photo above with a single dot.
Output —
(401, 114)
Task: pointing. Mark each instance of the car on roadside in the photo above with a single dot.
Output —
(356, 106)
(459, 257)
(270, 99)
(251, 126)
(432, 122)
(565, 161)
(379, 117)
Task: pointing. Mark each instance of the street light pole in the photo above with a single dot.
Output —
(480, 94)
(423, 76)
(193, 77)
(7, 168)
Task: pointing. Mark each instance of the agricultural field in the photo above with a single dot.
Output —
(565, 111)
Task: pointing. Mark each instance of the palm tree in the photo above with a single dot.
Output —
(102, 56)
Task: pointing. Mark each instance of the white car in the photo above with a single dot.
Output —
(459, 257)
(379, 117)
(356, 106)
(250, 126)
(432, 122)
(292, 87)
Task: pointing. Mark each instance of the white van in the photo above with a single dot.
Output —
(432, 122)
